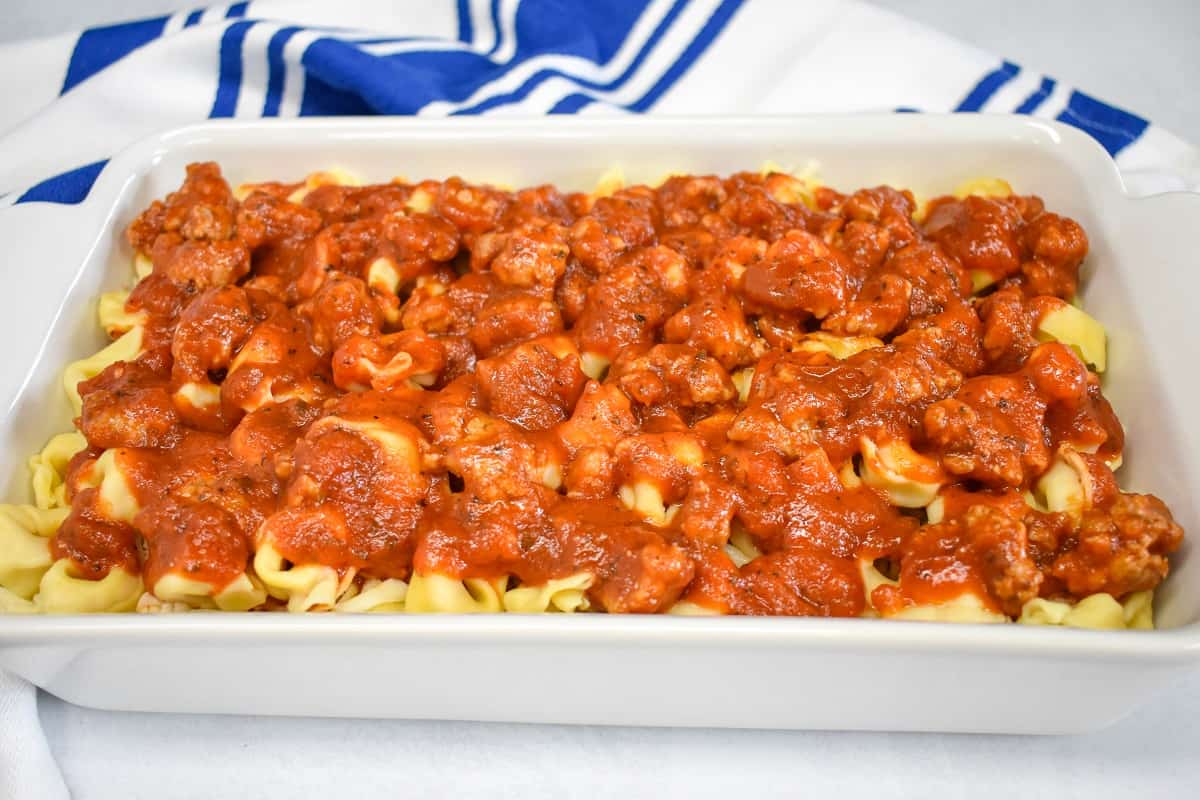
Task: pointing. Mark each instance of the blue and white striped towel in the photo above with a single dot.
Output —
(71, 102)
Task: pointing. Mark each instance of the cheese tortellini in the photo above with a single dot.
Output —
(965, 607)
(60, 592)
(442, 594)
(909, 479)
(560, 594)
(1074, 327)
(302, 586)
(25, 533)
(125, 348)
(1099, 611)
(49, 469)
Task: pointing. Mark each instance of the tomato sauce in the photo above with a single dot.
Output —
(444, 377)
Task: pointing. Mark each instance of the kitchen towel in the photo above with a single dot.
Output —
(73, 101)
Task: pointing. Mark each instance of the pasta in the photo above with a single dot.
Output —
(375, 596)
(963, 607)
(241, 594)
(60, 592)
(442, 594)
(115, 318)
(25, 533)
(907, 478)
(125, 348)
(1099, 611)
(562, 594)
(49, 469)
(705, 396)
(303, 587)
(115, 496)
(1072, 326)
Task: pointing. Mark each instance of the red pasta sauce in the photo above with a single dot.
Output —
(388, 379)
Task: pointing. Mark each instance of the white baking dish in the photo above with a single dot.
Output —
(736, 672)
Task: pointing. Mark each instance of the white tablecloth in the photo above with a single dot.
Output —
(115, 756)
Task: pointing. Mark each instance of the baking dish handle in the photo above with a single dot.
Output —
(45, 246)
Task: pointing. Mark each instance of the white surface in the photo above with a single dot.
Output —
(116, 756)
(25, 757)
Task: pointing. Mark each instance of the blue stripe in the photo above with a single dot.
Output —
(276, 69)
(340, 79)
(343, 79)
(495, 27)
(1113, 127)
(193, 18)
(988, 85)
(354, 40)
(98, 48)
(229, 82)
(572, 103)
(907, 110)
(466, 30)
(716, 23)
(236, 10)
(1031, 103)
(541, 76)
(69, 187)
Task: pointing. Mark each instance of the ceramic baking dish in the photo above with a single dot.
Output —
(735, 672)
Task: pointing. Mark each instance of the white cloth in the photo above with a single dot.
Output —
(71, 102)
(27, 768)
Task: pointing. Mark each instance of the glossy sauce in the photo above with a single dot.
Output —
(391, 378)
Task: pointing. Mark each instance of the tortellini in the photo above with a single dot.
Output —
(562, 594)
(645, 498)
(743, 379)
(1074, 327)
(48, 469)
(594, 365)
(117, 500)
(686, 608)
(125, 348)
(609, 183)
(60, 592)
(740, 548)
(1066, 487)
(303, 586)
(966, 607)
(1097, 611)
(441, 594)
(241, 594)
(331, 177)
(983, 187)
(839, 347)
(374, 596)
(909, 479)
(25, 533)
(114, 318)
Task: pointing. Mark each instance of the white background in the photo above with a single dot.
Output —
(1145, 57)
